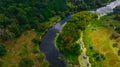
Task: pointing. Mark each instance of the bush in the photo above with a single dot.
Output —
(40, 57)
(26, 62)
(117, 29)
(119, 52)
(115, 45)
(66, 41)
(98, 56)
(2, 50)
(35, 40)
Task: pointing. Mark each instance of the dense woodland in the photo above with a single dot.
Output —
(16, 16)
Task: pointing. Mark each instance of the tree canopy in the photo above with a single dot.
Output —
(70, 34)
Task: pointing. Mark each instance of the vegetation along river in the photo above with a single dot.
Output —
(47, 42)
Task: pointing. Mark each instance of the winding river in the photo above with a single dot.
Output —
(47, 45)
(47, 42)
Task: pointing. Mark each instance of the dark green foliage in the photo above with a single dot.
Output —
(117, 10)
(40, 57)
(66, 41)
(26, 62)
(17, 16)
(115, 45)
(3, 50)
(89, 4)
(117, 13)
(1, 63)
(4, 21)
(119, 52)
(117, 29)
(16, 30)
(98, 56)
(36, 41)
(74, 49)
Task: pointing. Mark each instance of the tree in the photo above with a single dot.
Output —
(66, 40)
(26, 62)
(4, 20)
(3, 50)
(119, 52)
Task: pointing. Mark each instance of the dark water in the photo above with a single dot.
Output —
(47, 45)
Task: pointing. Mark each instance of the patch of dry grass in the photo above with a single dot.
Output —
(23, 47)
(101, 42)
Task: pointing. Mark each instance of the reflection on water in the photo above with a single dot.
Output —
(47, 45)
(108, 8)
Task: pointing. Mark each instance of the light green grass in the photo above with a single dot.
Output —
(97, 36)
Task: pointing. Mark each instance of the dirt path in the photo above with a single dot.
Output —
(83, 58)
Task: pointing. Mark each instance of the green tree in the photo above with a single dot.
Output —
(3, 50)
(26, 62)
(4, 20)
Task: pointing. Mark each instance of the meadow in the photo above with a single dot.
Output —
(102, 42)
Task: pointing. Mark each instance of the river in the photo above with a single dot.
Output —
(47, 45)
(47, 42)
(108, 8)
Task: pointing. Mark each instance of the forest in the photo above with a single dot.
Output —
(18, 16)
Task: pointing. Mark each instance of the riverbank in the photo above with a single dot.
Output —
(68, 39)
(26, 47)
(108, 8)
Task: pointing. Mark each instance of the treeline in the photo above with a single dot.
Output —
(116, 14)
(89, 4)
(17, 16)
(67, 39)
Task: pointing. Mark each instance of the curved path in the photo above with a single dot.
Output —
(83, 58)
(47, 45)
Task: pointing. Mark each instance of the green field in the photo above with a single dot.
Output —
(23, 48)
(99, 39)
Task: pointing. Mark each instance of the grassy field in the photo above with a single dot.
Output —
(97, 39)
(23, 47)
(101, 42)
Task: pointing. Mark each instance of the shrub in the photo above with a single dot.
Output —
(36, 41)
(119, 52)
(2, 50)
(115, 45)
(98, 56)
(26, 62)
(40, 57)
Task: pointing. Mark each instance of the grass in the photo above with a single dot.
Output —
(101, 42)
(23, 47)
(98, 36)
